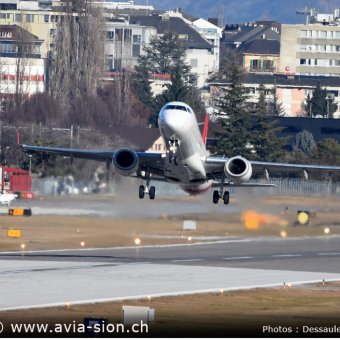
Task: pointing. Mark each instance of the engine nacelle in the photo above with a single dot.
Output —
(125, 162)
(238, 169)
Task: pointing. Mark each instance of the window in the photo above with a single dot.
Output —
(182, 36)
(52, 33)
(303, 34)
(136, 38)
(108, 62)
(136, 50)
(254, 64)
(302, 61)
(119, 34)
(322, 48)
(323, 62)
(176, 107)
(323, 34)
(18, 18)
(4, 34)
(337, 34)
(54, 18)
(127, 35)
(268, 64)
(4, 16)
(303, 47)
(29, 17)
(117, 63)
(7, 48)
(46, 18)
(110, 35)
(336, 62)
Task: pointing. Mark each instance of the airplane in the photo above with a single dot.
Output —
(186, 161)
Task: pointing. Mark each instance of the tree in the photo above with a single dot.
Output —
(320, 104)
(166, 55)
(267, 145)
(234, 117)
(304, 143)
(327, 152)
(275, 106)
(76, 63)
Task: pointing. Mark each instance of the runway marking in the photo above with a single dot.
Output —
(328, 254)
(286, 255)
(238, 258)
(194, 244)
(187, 260)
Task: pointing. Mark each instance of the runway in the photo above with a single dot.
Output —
(45, 278)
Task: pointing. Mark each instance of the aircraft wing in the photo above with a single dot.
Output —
(154, 162)
(215, 165)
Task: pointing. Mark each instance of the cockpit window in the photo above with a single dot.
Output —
(176, 107)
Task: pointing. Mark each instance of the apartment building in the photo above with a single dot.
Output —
(200, 52)
(291, 90)
(22, 68)
(312, 48)
(124, 43)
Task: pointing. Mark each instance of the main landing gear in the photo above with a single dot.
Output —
(147, 190)
(217, 196)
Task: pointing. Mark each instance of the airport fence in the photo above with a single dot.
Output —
(299, 187)
(284, 187)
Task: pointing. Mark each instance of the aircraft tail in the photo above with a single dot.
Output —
(205, 129)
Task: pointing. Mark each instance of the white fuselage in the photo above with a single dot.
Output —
(186, 151)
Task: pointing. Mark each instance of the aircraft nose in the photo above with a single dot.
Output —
(173, 119)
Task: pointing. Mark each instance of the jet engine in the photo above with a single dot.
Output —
(238, 169)
(125, 162)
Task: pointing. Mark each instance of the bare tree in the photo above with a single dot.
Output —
(78, 56)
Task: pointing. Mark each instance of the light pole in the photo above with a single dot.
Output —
(30, 164)
(328, 98)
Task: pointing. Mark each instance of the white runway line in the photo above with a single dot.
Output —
(186, 260)
(328, 254)
(286, 255)
(237, 258)
(52, 283)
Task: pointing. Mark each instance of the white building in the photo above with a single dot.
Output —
(213, 34)
(312, 48)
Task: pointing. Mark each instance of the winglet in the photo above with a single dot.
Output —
(205, 129)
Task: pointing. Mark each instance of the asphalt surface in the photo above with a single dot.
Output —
(55, 277)
(317, 254)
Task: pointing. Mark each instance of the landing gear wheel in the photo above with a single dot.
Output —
(226, 197)
(141, 192)
(152, 193)
(216, 197)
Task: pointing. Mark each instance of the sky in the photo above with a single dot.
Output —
(239, 11)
